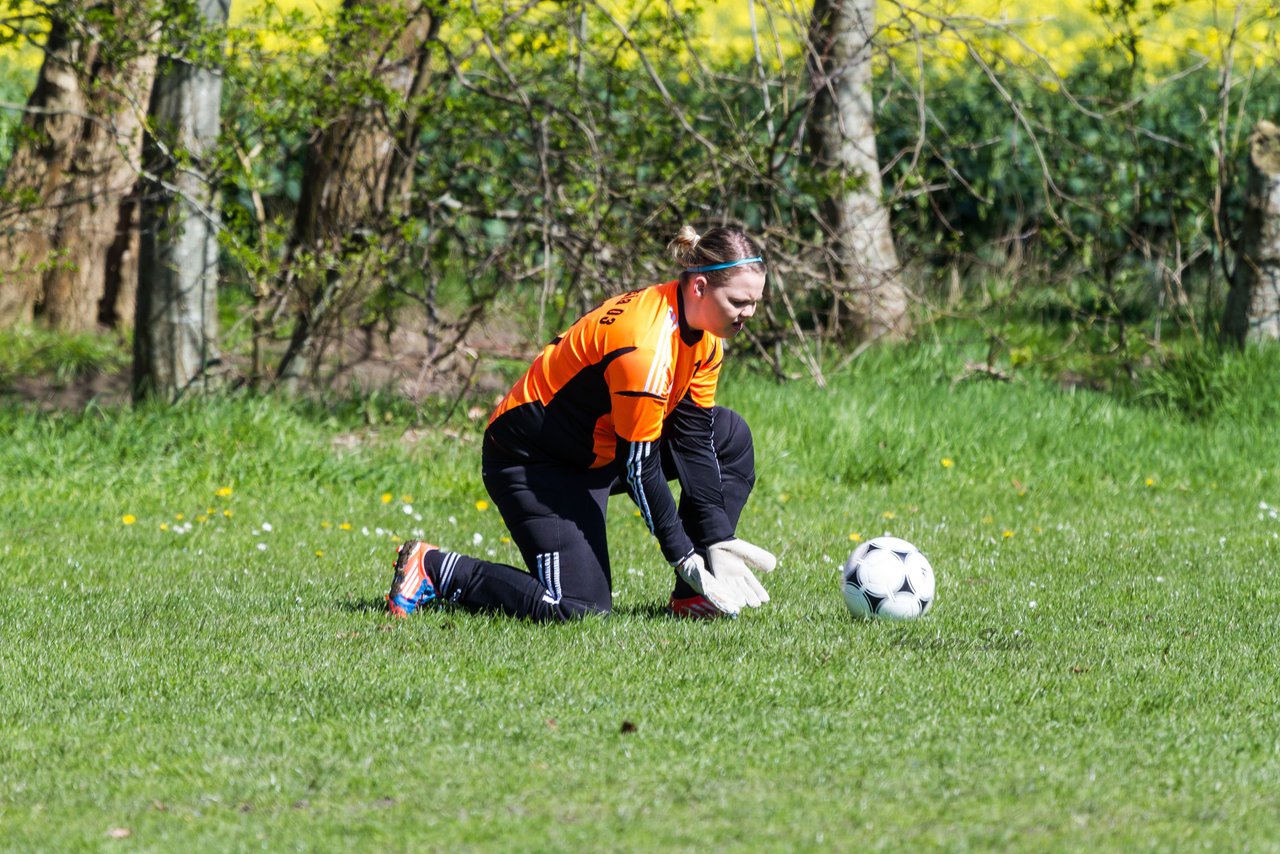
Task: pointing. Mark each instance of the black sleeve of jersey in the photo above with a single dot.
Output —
(641, 470)
(688, 434)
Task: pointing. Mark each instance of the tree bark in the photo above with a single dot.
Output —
(842, 146)
(358, 168)
(43, 154)
(72, 175)
(175, 341)
(1253, 305)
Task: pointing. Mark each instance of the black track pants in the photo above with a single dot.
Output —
(556, 516)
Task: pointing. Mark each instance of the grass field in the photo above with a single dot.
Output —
(193, 651)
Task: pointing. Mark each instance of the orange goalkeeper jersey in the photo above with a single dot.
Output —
(616, 373)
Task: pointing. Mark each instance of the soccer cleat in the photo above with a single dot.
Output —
(412, 585)
(695, 607)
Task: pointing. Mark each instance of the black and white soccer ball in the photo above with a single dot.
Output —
(887, 578)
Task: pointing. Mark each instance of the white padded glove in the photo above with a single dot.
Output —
(729, 584)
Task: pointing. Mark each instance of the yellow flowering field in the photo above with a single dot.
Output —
(1012, 31)
(1027, 32)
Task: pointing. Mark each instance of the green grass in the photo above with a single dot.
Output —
(56, 358)
(196, 690)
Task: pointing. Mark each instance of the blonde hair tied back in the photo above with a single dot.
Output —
(718, 245)
(683, 245)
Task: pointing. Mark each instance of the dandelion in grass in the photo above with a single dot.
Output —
(128, 518)
(179, 517)
(888, 514)
(947, 462)
(1006, 533)
(1151, 481)
(387, 497)
(345, 526)
(326, 524)
(164, 526)
(319, 553)
(482, 505)
(227, 513)
(224, 492)
(855, 537)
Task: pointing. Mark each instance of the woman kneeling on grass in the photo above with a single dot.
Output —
(625, 399)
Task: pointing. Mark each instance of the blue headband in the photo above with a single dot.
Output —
(709, 267)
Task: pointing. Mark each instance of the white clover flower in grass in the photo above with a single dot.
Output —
(408, 509)
(477, 538)
(262, 547)
(266, 526)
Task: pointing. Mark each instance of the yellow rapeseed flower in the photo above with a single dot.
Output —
(128, 518)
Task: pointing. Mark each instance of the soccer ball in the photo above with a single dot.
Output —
(887, 578)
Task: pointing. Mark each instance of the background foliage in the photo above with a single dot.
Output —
(1083, 163)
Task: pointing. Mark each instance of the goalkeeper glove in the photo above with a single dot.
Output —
(729, 583)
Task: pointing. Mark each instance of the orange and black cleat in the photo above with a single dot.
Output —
(412, 585)
(695, 607)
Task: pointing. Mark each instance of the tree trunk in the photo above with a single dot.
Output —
(72, 174)
(40, 161)
(358, 168)
(842, 146)
(1253, 305)
(174, 344)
